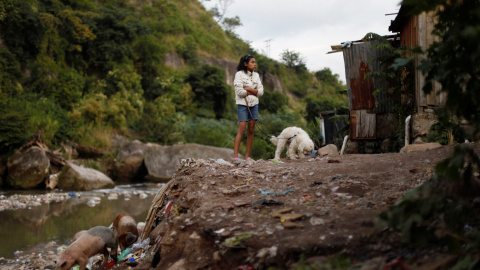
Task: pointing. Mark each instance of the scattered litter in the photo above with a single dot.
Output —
(226, 191)
(132, 262)
(220, 231)
(187, 162)
(241, 202)
(271, 251)
(141, 245)
(91, 203)
(264, 202)
(306, 197)
(123, 254)
(291, 225)
(112, 196)
(334, 161)
(286, 191)
(317, 221)
(237, 241)
(280, 212)
(267, 192)
(224, 162)
(240, 184)
(167, 209)
(194, 235)
(291, 217)
(315, 184)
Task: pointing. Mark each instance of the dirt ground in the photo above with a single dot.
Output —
(313, 213)
(322, 212)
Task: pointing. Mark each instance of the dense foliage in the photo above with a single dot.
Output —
(81, 70)
(443, 212)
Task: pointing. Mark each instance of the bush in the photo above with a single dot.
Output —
(220, 133)
(13, 127)
(444, 134)
(159, 123)
(22, 30)
(10, 73)
(272, 101)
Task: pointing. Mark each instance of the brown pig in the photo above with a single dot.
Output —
(94, 241)
(125, 228)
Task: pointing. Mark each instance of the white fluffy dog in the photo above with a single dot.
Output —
(294, 138)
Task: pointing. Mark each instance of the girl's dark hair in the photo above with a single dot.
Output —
(245, 59)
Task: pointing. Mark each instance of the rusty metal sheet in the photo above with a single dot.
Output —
(360, 89)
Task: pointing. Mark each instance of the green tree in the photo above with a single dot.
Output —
(230, 24)
(326, 75)
(115, 30)
(210, 89)
(293, 59)
(22, 29)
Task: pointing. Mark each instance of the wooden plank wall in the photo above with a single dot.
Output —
(425, 24)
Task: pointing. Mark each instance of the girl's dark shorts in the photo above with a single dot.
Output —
(244, 115)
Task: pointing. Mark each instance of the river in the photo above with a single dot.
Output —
(59, 221)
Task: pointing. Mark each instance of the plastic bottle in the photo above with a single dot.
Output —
(123, 254)
(140, 245)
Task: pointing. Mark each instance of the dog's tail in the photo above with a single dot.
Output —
(274, 140)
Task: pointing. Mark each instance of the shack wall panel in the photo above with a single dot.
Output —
(360, 90)
(426, 22)
(353, 124)
(362, 125)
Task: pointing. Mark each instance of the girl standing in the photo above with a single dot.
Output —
(248, 88)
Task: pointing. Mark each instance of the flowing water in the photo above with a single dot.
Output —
(59, 221)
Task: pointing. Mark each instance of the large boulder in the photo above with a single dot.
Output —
(74, 177)
(129, 161)
(163, 161)
(27, 170)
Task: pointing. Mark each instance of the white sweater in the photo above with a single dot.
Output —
(250, 79)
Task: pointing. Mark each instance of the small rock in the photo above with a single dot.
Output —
(194, 235)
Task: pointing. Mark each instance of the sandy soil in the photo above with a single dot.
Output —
(225, 215)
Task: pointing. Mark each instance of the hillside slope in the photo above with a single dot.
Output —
(84, 70)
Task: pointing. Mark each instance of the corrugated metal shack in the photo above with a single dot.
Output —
(368, 112)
